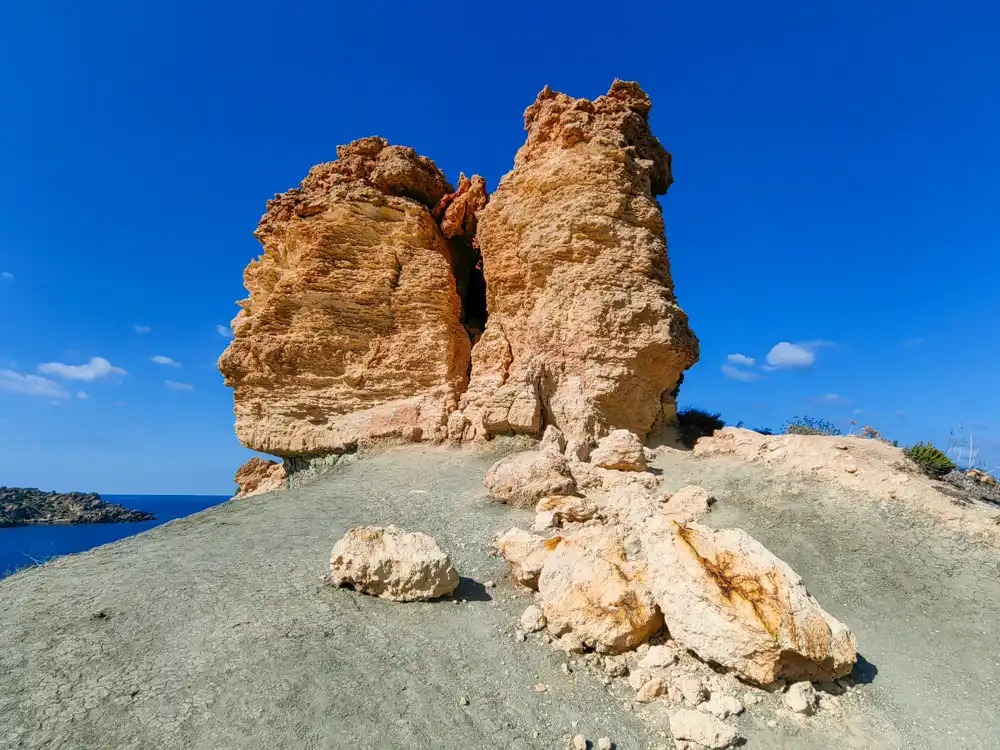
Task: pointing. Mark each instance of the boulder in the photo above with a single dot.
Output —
(582, 312)
(589, 586)
(553, 437)
(658, 657)
(723, 706)
(521, 480)
(567, 508)
(526, 553)
(532, 619)
(708, 731)
(392, 564)
(651, 690)
(688, 504)
(620, 450)
(728, 599)
(257, 476)
(353, 329)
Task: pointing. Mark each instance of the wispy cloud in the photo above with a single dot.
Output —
(141, 329)
(178, 386)
(161, 360)
(834, 398)
(741, 359)
(225, 331)
(788, 356)
(95, 369)
(736, 373)
(859, 412)
(6, 276)
(901, 413)
(30, 385)
(915, 341)
(81, 394)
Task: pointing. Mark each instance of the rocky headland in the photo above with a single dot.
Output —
(22, 507)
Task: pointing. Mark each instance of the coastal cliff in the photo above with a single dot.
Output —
(21, 507)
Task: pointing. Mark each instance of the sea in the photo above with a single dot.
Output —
(24, 546)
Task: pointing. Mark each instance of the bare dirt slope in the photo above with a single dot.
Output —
(216, 632)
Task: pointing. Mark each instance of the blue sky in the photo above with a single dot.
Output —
(836, 189)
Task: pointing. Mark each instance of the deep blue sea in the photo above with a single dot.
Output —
(28, 545)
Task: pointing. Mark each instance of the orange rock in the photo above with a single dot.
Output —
(582, 314)
(257, 476)
(352, 332)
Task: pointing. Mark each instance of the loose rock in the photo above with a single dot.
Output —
(722, 706)
(392, 564)
(706, 730)
(521, 480)
(651, 690)
(526, 553)
(621, 450)
(688, 504)
(801, 698)
(532, 619)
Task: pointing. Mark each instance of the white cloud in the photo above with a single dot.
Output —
(901, 413)
(95, 369)
(915, 341)
(7, 276)
(741, 359)
(833, 398)
(859, 412)
(788, 356)
(731, 371)
(225, 331)
(141, 329)
(178, 386)
(30, 385)
(81, 394)
(161, 360)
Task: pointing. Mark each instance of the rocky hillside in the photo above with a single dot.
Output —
(20, 507)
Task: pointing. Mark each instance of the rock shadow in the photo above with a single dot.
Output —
(864, 671)
(471, 590)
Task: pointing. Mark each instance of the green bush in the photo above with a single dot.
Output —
(810, 426)
(697, 423)
(931, 461)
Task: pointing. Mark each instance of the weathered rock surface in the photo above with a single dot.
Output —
(801, 698)
(567, 508)
(258, 476)
(352, 332)
(707, 731)
(457, 211)
(688, 504)
(731, 601)
(390, 563)
(23, 507)
(583, 324)
(521, 480)
(590, 587)
(620, 450)
(526, 554)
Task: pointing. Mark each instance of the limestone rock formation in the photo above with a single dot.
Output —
(584, 331)
(521, 480)
(392, 564)
(526, 553)
(621, 450)
(353, 330)
(258, 476)
(688, 504)
(590, 587)
(728, 599)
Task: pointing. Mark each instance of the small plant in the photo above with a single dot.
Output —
(763, 430)
(810, 426)
(697, 423)
(931, 461)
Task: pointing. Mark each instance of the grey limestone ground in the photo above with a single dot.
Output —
(216, 631)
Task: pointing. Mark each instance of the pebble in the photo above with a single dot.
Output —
(579, 742)
(772, 723)
(751, 699)
(565, 668)
(541, 687)
(489, 584)
(604, 744)
(801, 698)
(463, 701)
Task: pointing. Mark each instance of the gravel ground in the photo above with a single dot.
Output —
(216, 631)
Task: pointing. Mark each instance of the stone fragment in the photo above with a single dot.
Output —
(620, 450)
(544, 520)
(258, 476)
(352, 332)
(553, 437)
(579, 742)
(751, 699)
(706, 730)
(801, 698)
(392, 564)
(582, 312)
(693, 690)
(651, 690)
(731, 601)
(532, 619)
(588, 586)
(457, 211)
(658, 656)
(577, 450)
(604, 743)
(567, 508)
(526, 553)
(688, 504)
(522, 479)
(722, 706)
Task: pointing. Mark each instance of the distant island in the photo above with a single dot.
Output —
(21, 507)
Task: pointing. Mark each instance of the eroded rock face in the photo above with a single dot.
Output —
(353, 330)
(731, 601)
(258, 476)
(392, 564)
(584, 331)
